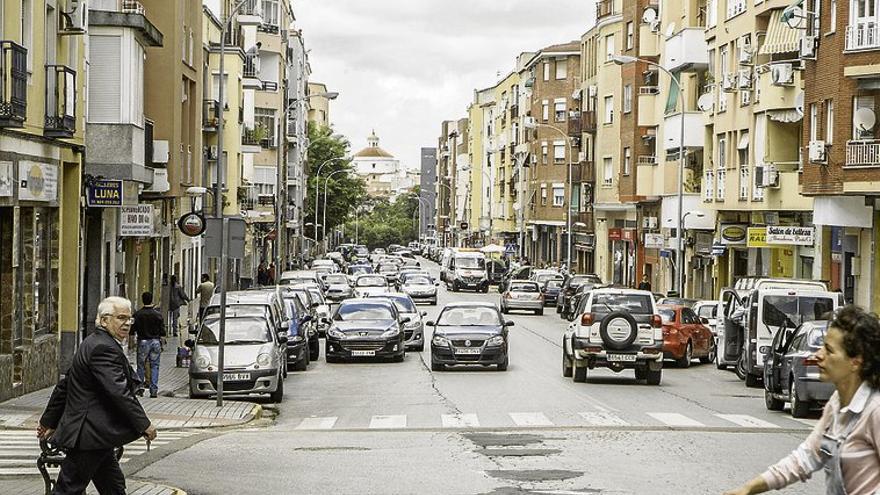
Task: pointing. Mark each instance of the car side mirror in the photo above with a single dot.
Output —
(508, 323)
(430, 323)
(704, 321)
(189, 343)
(405, 319)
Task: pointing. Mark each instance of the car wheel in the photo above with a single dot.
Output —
(685, 360)
(486, 289)
(437, 366)
(399, 358)
(710, 357)
(503, 365)
(539, 312)
(558, 307)
(315, 351)
(772, 403)
(752, 381)
(579, 372)
(740, 368)
(434, 302)
(641, 373)
(278, 394)
(566, 362)
(653, 376)
(302, 364)
(799, 408)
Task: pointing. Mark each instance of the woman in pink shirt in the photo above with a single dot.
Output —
(846, 441)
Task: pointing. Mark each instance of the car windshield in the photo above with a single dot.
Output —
(708, 311)
(316, 296)
(235, 310)
(523, 287)
(577, 281)
(336, 279)
(371, 282)
(554, 284)
(469, 316)
(470, 263)
(354, 270)
(362, 251)
(667, 315)
(630, 303)
(547, 276)
(363, 311)
(404, 304)
(791, 311)
(298, 280)
(239, 331)
(417, 280)
(387, 268)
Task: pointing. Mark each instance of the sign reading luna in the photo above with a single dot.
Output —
(104, 194)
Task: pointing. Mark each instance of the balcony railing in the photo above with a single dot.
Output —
(251, 7)
(133, 7)
(646, 160)
(13, 84)
(575, 127)
(60, 102)
(604, 8)
(250, 137)
(864, 153)
(864, 36)
(251, 65)
(582, 172)
(586, 218)
(588, 121)
(235, 37)
(210, 115)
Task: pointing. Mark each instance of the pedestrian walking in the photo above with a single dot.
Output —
(846, 441)
(93, 409)
(270, 274)
(205, 291)
(149, 328)
(645, 284)
(262, 274)
(177, 298)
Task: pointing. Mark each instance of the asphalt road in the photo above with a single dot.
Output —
(398, 428)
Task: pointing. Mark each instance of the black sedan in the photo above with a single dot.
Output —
(469, 333)
(551, 289)
(366, 328)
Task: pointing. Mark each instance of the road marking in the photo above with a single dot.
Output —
(317, 423)
(393, 421)
(674, 419)
(460, 420)
(809, 422)
(530, 419)
(602, 419)
(747, 421)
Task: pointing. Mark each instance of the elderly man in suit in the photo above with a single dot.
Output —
(93, 409)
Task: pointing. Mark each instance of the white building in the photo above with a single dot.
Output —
(381, 171)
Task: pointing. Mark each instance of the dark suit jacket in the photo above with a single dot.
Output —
(94, 406)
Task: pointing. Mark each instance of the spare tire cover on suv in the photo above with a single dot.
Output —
(618, 330)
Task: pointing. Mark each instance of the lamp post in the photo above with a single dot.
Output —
(318, 188)
(324, 220)
(452, 151)
(679, 252)
(448, 216)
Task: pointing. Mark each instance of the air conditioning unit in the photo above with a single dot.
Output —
(529, 122)
(212, 152)
(744, 79)
(817, 152)
(582, 156)
(75, 20)
(782, 74)
(160, 151)
(745, 55)
(770, 177)
(728, 82)
(808, 47)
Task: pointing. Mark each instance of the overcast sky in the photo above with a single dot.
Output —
(403, 66)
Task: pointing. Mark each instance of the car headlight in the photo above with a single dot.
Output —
(202, 361)
(496, 340)
(413, 324)
(392, 332)
(335, 333)
(440, 341)
(264, 359)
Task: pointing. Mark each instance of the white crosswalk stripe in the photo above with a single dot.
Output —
(390, 421)
(460, 420)
(602, 419)
(747, 421)
(674, 419)
(530, 419)
(19, 450)
(317, 423)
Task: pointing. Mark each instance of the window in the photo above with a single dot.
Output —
(709, 188)
(630, 35)
(559, 109)
(833, 16)
(544, 151)
(264, 180)
(543, 194)
(561, 68)
(609, 109)
(627, 161)
(27, 31)
(608, 171)
(860, 102)
(743, 182)
(735, 7)
(558, 151)
(814, 125)
(545, 110)
(829, 121)
(721, 172)
(558, 195)
(576, 197)
(609, 47)
(270, 12)
(546, 71)
(265, 118)
(627, 98)
(722, 183)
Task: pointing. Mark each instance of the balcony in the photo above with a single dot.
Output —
(778, 87)
(250, 140)
(60, 102)
(648, 106)
(604, 8)
(582, 172)
(251, 71)
(210, 115)
(575, 126)
(694, 130)
(588, 121)
(586, 218)
(865, 153)
(863, 36)
(13, 84)
(687, 51)
(234, 37)
(251, 13)
(133, 7)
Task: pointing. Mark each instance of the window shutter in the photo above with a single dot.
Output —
(104, 78)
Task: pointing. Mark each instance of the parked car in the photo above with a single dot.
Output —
(370, 285)
(296, 277)
(684, 336)
(297, 358)
(676, 301)
(263, 302)
(708, 310)
(542, 276)
(469, 333)
(253, 362)
(791, 372)
(366, 328)
(389, 270)
(305, 297)
(568, 290)
(521, 273)
(523, 294)
(414, 329)
(322, 310)
(420, 287)
(337, 287)
(617, 329)
(551, 289)
(573, 303)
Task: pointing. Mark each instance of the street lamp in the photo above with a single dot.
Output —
(324, 226)
(680, 239)
(318, 187)
(488, 181)
(679, 255)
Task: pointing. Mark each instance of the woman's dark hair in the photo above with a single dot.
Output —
(861, 337)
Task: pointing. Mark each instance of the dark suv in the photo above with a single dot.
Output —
(568, 290)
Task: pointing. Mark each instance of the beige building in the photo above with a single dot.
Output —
(319, 106)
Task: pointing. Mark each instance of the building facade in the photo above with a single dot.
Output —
(428, 193)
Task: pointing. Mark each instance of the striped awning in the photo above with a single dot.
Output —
(780, 37)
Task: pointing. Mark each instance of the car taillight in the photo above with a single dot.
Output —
(587, 319)
(656, 321)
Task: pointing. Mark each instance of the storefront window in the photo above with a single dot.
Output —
(45, 243)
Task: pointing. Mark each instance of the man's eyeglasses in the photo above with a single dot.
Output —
(122, 318)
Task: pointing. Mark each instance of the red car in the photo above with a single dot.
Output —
(685, 337)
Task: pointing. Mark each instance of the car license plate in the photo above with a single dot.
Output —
(236, 377)
(631, 358)
(363, 353)
(471, 351)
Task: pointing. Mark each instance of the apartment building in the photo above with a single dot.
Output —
(507, 156)
(298, 117)
(479, 204)
(427, 192)
(42, 144)
(319, 106)
(453, 175)
(553, 133)
(839, 45)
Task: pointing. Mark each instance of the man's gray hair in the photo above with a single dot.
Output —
(109, 305)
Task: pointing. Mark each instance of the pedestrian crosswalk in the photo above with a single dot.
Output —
(538, 419)
(19, 450)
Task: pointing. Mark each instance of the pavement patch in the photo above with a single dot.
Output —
(330, 449)
(503, 439)
(534, 475)
(517, 452)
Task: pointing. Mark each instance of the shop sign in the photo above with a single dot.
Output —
(718, 249)
(666, 253)
(192, 224)
(629, 235)
(653, 241)
(136, 221)
(733, 234)
(703, 243)
(6, 179)
(37, 181)
(790, 235)
(104, 193)
(615, 234)
(757, 237)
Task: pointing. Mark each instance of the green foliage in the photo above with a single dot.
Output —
(344, 190)
(389, 222)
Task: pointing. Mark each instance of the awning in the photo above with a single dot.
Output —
(743, 141)
(780, 37)
(786, 116)
(842, 211)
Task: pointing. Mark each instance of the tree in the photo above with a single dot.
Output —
(390, 222)
(344, 190)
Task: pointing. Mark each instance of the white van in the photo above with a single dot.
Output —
(750, 314)
(467, 270)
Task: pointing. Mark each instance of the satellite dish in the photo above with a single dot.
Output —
(865, 119)
(516, 206)
(704, 102)
(649, 16)
(799, 103)
(670, 30)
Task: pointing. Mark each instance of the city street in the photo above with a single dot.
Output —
(380, 427)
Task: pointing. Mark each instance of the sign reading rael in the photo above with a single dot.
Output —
(790, 235)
